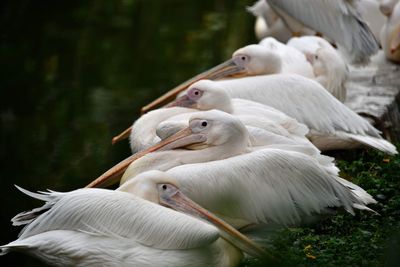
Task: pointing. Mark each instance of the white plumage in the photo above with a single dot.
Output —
(213, 135)
(269, 24)
(332, 124)
(292, 60)
(329, 68)
(264, 186)
(337, 20)
(267, 126)
(143, 131)
(98, 227)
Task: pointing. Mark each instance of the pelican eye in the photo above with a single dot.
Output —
(195, 93)
(241, 60)
(164, 187)
(204, 124)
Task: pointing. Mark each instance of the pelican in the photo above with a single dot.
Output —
(329, 67)
(268, 57)
(99, 227)
(332, 125)
(209, 135)
(390, 34)
(337, 20)
(259, 188)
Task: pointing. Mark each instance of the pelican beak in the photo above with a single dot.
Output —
(125, 134)
(226, 69)
(395, 41)
(183, 138)
(310, 58)
(179, 202)
(183, 101)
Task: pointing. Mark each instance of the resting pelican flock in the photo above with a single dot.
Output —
(242, 140)
(390, 33)
(332, 124)
(266, 126)
(99, 227)
(285, 185)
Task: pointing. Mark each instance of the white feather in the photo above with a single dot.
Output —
(338, 20)
(97, 227)
(307, 102)
(268, 185)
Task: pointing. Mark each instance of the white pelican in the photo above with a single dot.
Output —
(390, 34)
(332, 124)
(337, 20)
(261, 187)
(329, 68)
(98, 227)
(209, 135)
(268, 57)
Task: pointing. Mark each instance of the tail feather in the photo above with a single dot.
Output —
(360, 193)
(377, 143)
(4, 250)
(27, 217)
(12, 245)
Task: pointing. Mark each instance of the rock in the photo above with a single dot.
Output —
(373, 91)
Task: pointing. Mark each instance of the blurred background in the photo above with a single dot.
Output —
(76, 73)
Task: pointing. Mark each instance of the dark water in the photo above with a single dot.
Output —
(75, 73)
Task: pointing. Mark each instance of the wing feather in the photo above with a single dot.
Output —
(301, 98)
(338, 20)
(268, 185)
(119, 214)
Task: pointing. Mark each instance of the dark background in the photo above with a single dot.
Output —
(75, 73)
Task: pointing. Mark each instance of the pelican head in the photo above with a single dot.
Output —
(247, 61)
(204, 95)
(147, 185)
(206, 129)
(160, 188)
(256, 60)
(219, 128)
